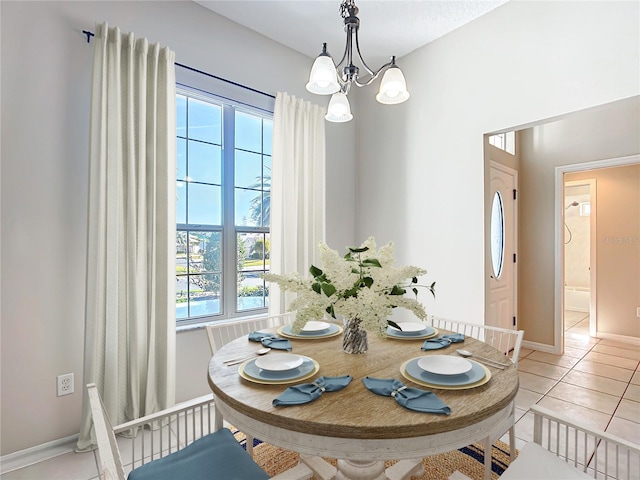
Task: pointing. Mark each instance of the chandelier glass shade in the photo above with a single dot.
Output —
(327, 78)
(339, 109)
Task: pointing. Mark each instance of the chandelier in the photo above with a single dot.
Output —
(326, 78)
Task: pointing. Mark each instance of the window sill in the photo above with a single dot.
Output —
(208, 321)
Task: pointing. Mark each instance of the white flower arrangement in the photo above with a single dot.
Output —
(364, 284)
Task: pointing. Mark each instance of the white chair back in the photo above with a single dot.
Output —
(110, 460)
(220, 334)
(507, 341)
(597, 453)
(159, 435)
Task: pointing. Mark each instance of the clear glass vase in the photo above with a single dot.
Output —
(355, 337)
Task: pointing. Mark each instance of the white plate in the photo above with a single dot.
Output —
(409, 327)
(315, 326)
(444, 364)
(279, 362)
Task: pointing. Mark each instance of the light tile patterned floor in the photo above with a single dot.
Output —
(595, 381)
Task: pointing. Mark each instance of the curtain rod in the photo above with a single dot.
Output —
(90, 34)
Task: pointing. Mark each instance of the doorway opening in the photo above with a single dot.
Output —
(581, 173)
(579, 257)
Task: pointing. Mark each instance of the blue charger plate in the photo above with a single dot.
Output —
(474, 375)
(426, 333)
(252, 370)
(327, 332)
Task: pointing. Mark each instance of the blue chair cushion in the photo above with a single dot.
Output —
(217, 456)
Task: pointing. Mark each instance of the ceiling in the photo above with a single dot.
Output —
(391, 27)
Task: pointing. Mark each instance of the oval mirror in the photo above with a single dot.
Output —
(497, 235)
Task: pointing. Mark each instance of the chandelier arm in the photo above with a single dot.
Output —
(374, 75)
(347, 49)
(364, 64)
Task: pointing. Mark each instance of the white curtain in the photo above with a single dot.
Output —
(297, 190)
(130, 284)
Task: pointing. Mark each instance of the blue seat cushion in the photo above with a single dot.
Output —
(217, 456)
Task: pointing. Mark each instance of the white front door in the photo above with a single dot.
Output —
(502, 269)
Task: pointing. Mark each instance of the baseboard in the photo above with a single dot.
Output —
(619, 338)
(39, 453)
(542, 347)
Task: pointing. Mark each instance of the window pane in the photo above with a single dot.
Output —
(204, 122)
(181, 115)
(497, 235)
(204, 163)
(267, 136)
(248, 170)
(250, 256)
(204, 295)
(252, 297)
(182, 297)
(181, 202)
(267, 251)
(266, 209)
(205, 250)
(253, 250)
(248, 207)
(181, 253)
(204, 205)
(267, 172)
(510, 142)
(248, 132)
(181, 159)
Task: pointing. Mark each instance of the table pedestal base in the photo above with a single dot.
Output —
(364, 470)
(360, 470)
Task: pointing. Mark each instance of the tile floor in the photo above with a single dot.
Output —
(595, 381)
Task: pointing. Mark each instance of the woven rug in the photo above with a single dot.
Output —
(468, 460)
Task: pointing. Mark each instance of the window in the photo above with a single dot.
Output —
(504, 141)
(222, 207)
(497, 235)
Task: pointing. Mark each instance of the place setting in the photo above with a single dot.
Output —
(313, 329)
(411, 331)
(278, 368)
(446, 372)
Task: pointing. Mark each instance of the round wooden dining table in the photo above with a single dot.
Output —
(355, 426)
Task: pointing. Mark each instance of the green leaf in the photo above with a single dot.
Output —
(393, 324)
(352, 292)
(315, 271)
(371, 262)
(415, 290)
(316, 287)
(396, 290)
(367, 281)
(328, 289)
(414, 280)
(358, 250)
(347, 257)
(330, 311)
(355, 270)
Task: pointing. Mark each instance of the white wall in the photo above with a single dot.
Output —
(46, 70)
(421, 168)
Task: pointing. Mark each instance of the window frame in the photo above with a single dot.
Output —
(229, 230)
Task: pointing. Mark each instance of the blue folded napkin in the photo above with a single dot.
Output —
(270, 340)
(308, 392)
(411, 398)
(442, 341)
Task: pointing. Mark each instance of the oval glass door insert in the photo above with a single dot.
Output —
(497, 235)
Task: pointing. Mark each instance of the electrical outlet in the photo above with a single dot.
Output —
(65, 384)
